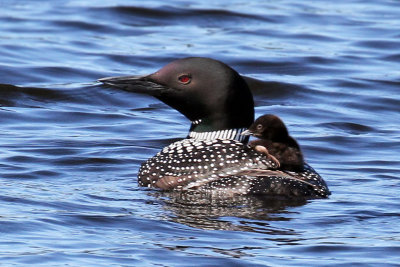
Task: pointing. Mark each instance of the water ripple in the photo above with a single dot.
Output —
(71, 148)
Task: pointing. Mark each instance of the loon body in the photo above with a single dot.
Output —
(215, 155)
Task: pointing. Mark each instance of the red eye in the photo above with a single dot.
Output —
(185, 79)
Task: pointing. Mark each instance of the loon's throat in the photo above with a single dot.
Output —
(232, 134)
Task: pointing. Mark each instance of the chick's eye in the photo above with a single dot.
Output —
(259, 126)
(185, 79)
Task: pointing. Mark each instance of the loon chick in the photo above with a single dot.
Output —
(274, 139)
(214, 157)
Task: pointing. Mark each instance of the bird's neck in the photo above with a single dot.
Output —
(203, 130)
(231, 134)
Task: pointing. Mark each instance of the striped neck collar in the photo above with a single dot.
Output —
(233, 134)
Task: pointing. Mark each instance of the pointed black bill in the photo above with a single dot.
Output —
(134, 83)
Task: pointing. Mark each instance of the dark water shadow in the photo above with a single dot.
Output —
(17, 96)
(84, 95)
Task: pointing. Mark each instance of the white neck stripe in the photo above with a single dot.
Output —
(234, 134)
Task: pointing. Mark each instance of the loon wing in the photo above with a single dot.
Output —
(190, 161)
(227, 166)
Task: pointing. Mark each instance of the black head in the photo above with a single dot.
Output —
(269, 127)
(204, 90)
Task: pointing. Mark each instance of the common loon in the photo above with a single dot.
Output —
(274, 140)
(215, 155)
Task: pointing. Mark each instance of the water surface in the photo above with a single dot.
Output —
(71, 148)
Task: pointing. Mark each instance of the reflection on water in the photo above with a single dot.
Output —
(210, 212)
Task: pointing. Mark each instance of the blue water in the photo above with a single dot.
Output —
(71, 148)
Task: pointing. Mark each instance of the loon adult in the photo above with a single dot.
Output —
(275, 141)
(214, 156)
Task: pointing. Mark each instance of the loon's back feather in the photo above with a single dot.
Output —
(193, 162)
(226, 166)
